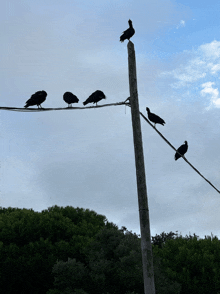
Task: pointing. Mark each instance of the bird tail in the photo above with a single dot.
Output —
(84, 103)
(176, 156)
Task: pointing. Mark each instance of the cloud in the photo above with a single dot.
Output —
(210, 50)
(213, 93)
(188, 73)
(198, 69)
(181, 24)
(214, 68)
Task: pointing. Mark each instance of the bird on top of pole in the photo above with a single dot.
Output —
(128, 33)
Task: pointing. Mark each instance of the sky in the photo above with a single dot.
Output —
(85, 158)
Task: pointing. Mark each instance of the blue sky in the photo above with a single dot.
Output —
(85, 158)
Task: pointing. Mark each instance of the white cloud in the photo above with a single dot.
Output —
(181, 24)
(212, 92)
(214, 68)
(211, 50)
(189, 73)
(199, 69)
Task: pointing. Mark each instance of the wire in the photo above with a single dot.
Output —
(178, 152)
(105, 105)
(59, 108)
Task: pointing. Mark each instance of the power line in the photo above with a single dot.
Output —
(178, 152)
(59, 108)
(106, 105)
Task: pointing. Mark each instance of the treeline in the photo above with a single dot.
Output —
(77, 251)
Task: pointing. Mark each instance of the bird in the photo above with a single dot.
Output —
(182, 150)
(36, 99)
(95, 97)
(70, 98)
(128, 33)
(155, 118)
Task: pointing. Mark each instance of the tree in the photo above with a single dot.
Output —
(69, 276)
(192, 262)
(31, 242)
(161, 239)
(114, 265)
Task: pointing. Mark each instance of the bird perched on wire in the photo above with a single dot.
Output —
(36, 99)
(128, 33)
(70, 98)
(154, 118)
(182, 150)
(95, 97)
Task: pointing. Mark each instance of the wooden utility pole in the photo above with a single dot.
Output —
(147, 256)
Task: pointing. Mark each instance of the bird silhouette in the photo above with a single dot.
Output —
(95, 97)
(182, 150)
(154, 118)
(70, 98)
(36, 99)
(128, 33)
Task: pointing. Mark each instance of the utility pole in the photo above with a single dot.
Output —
(146, 247)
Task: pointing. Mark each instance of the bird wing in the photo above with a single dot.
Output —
(125, 35)
(182, 150)
(32, 100)
(40, 97)
(155, 118)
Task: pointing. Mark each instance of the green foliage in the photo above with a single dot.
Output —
(161, 239)
(114, 265)
(76, 251)
(114, 260)
(164, 284)
(31, 242)
(193, 263)
(69, 274)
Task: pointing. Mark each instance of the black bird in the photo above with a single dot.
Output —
(155, 118)
(128, 33)
(70, 98)
(36, 99)
(95, 97)
(182, 150)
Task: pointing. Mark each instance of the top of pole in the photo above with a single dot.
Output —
(130, 47)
